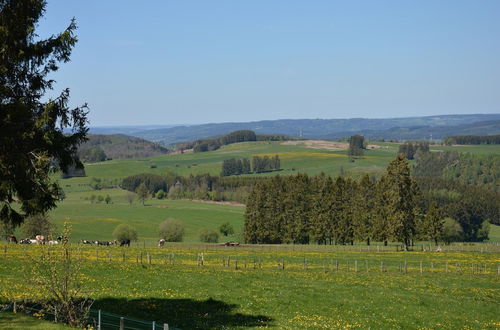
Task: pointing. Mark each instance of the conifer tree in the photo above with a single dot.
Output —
(433, 223)
(404, 221)
(38, 135)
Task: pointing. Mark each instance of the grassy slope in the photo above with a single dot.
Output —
(494, 233)
(11, 321)
(97, 221)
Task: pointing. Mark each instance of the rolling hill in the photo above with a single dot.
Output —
(320, 128)
(120, 147)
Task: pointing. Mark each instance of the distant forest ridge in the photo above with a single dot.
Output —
(388, 129)
(102, 147)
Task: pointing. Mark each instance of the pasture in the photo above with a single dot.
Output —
(98, 220)
(285, 287)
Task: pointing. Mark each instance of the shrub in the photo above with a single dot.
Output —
(226, 229)
(452, 231)
(171, 230)
(38, 224)
(209, 236)
(124, 232)
(160, 194)
(484, 231)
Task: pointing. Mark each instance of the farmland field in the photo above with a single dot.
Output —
(283, 287)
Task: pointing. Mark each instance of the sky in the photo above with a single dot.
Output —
(171, 62)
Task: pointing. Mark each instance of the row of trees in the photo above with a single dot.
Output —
(202, 186)
(472, 139)
(215, 143)
(203, 145)
(301, 209)
(235, 166)
(409, 149)
(356, 146)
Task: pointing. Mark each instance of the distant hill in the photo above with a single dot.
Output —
(490, 127)
(322, 128)
(102, 147)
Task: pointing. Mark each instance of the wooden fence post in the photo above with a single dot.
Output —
(421, 268)
(122, 323)
(165, 326)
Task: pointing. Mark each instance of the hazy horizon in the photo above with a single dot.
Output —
(206, 62)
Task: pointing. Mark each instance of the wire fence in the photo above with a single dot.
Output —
(353, 261)
(98, 319)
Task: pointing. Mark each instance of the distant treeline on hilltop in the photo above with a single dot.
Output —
(203, 145)
(473, 139)
(102, 147)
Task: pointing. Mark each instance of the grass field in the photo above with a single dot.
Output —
(97, 221)
(19, 321)
(294, 158)
(188, 296)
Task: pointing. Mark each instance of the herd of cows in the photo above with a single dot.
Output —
(40, 239)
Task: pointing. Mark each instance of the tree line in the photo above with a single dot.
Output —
(409, 149)
(263, 164)
(301, 209)
(202, 186)
(472, 139)
(210, 144)
(465, 168)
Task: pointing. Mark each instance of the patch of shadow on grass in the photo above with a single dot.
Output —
(183, 313)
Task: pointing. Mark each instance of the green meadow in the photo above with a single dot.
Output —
(281, 287)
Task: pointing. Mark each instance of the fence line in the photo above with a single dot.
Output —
(351, 264)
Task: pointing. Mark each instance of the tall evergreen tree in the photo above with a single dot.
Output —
(34, 135)
(433, 223)
(363, 205)
(400, 181)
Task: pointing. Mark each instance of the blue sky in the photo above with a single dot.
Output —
(190, 62)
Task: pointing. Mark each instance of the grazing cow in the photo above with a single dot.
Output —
(40, 239)
(25, 241)
(125, 242)
(53, 242)
(231, 244)
(62, 239)
(161, 243)
(105, 243)
(84, 241)
(12, 239)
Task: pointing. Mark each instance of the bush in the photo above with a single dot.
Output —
(123, 232)
(209, 236)
(160, 194)
(171, 230)
(38, 224)
(484, 231)
(452, 231)
(226, 229)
